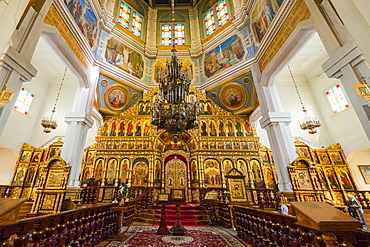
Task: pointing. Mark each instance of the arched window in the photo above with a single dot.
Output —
(130, 19)
(219, 14)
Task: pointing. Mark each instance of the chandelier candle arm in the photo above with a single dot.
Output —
(307, 123)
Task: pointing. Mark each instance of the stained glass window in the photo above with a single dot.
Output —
(167, 34)
(337, 99)
(124, 15)
(222, 13)
(137, 24)
(209, 22)
(24, 101)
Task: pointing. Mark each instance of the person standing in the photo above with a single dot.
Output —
(355, 210)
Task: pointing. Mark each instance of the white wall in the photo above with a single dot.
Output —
(8, 156)
(358, 158)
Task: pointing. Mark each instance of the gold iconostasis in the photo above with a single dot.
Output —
(223, 153)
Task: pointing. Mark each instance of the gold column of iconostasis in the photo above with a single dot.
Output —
(42, 176)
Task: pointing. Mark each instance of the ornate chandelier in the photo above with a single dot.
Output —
(173, 109)
(307, 123)
(51, 123)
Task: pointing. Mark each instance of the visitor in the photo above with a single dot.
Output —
(355, 210)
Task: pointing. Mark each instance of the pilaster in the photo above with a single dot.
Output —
(151, 35)
(195, 43)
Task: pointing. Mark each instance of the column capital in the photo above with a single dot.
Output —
(78, 117)
(275, 117)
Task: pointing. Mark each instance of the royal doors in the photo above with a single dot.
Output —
(176, 175)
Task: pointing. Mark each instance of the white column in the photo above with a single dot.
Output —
(151, 35)
(355, 16)
(276, 123)
(79, 121)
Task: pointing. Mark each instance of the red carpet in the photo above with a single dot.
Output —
(196, 237)
(190, 215)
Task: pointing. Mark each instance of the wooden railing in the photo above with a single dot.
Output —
(264, 228)
(82, 227)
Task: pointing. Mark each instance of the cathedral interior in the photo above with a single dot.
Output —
(118, 109)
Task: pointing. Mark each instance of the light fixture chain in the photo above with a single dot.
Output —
(60, 88)
(296, 88)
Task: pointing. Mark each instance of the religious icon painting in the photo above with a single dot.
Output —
(336, 158)
(303, 179)
(257, 174)
(265, 157)
(19, 176)
(323, 157)
(86, 174)
(124, 170)
(332, 178)
(157, 173)
(111, 170)
(139, 172)
(233, 96)
(212, 173)
(194, 173)
(36, 156)
(365, 171)
(345, 180)
(26, 156)
(237, 191)
(303, 152)
(227, 165)
(99, 166)
(116, 97)
(30, 176)
(54, 152)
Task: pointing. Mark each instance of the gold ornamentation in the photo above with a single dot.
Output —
(299, 12)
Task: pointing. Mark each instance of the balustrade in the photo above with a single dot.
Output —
(265, 228)
(75, 228)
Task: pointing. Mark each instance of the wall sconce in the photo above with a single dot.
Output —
(6, 96)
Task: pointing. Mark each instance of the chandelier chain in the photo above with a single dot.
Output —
(60, 88)
(296, 89)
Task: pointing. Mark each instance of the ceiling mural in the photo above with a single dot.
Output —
(224, 56)
(114, 96)
(123, 57)
(236, 95)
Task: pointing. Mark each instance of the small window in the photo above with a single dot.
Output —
(137, 24)
(124, 15)
(24, 101)
(221, 12)
(337, 99)
(179, 30)
(209, 22)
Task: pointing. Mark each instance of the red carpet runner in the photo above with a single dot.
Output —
(190, 215)
(196, 237)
